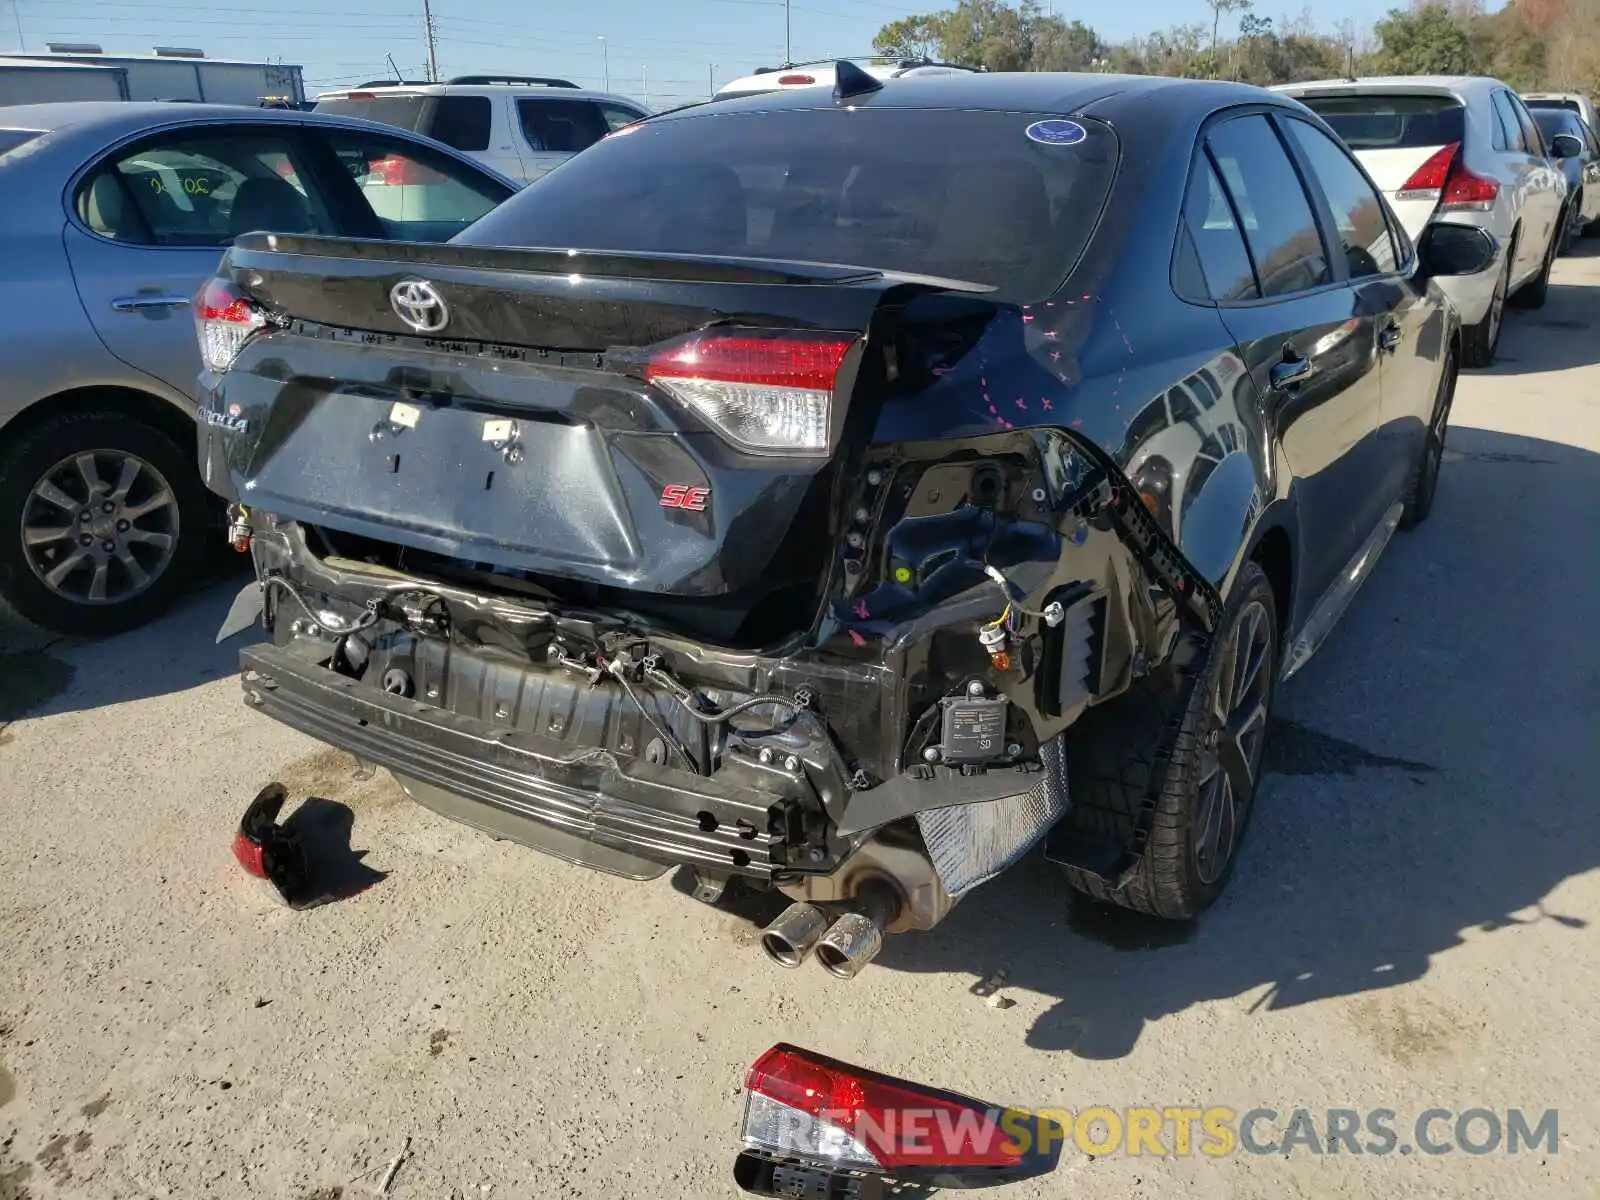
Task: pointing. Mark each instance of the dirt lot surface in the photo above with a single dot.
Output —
(1412, 925)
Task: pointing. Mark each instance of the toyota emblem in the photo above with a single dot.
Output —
(418, 303)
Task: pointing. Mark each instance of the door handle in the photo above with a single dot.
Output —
(1389, 337)
(146, 302)
(1290, 372)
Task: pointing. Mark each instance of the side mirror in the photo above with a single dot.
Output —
(1446, 250)
(1566, 145)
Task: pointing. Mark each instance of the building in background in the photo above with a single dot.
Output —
(171, 73)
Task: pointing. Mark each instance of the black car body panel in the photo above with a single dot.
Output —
(1083, 467)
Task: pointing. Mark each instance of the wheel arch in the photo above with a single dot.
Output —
(135, 403)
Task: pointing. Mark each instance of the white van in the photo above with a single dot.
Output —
(520, 125)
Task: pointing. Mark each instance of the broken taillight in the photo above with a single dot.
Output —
(763, 393)
(804, 1106)
(224, 321)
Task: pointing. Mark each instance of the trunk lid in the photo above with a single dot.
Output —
(535, 429)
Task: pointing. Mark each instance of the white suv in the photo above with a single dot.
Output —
(520, 125)
(1463, 150)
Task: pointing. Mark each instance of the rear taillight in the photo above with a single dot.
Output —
(224, 321)
(802, 1105)
(771, 394)
(1427, 181)
(1443, 177)
(795, 80)
(1466, 192)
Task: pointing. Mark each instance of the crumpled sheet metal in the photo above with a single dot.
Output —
(972, 843)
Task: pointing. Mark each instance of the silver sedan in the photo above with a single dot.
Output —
(116, 214)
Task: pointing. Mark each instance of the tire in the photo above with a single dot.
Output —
(1534, 293)
(1569, 225)
(1479, 342)
(1155, 745)
(1424, 482)
(156, 526)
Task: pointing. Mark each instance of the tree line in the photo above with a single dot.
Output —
(1550, 45)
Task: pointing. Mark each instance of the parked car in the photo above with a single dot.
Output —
(1464, 150)
(821, 74)
(1574, 146)
(116, 214)
(520, 125)
(1574, 102)
(784, 524)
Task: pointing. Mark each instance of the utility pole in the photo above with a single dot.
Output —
(605, 52)
(711, 81)
(788, 50)
(646, 70)
(16, 11)
(431, 32)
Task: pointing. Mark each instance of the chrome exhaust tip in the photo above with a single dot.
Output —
(791, 936)
(849, 945)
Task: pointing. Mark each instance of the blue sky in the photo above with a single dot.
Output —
(667, 49)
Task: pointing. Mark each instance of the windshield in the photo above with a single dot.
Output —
(1374, 121)
(1003, 199)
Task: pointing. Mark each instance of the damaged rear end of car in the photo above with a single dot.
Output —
(656, 558)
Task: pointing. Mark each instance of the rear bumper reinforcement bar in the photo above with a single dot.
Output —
(638, 817)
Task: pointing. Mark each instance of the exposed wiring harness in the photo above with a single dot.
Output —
(324, 620)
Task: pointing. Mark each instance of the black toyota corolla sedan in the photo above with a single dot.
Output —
(844, 491)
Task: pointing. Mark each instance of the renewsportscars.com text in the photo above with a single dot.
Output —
(1211, 1132)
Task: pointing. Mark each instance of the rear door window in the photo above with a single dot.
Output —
(1279, 226)
(1216, 238)
(561, 126)
(1357, 207)
(204, 188)
(1530, 132)
(1516, 140)
(1379, 121)
(961, 194)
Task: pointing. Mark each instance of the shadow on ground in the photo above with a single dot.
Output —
(1556, 337)
(42, 675)
(1429, 781)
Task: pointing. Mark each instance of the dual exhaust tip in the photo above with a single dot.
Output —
(843, 947)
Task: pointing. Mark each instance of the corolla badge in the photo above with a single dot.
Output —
(418, 303)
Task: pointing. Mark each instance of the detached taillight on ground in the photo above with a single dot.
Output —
(813, 1123)
(224, 321)
(769, 394)
(1445, 178)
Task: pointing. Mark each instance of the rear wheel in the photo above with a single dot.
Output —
(1191, 746)
(1480, 341)
(104, 523)
(1425, 477)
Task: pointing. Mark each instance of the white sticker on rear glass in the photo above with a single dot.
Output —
(406, 415)
(1056, 133)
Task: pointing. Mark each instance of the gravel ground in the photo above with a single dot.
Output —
(1411, 925)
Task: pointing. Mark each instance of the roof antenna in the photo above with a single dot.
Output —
(850, 81)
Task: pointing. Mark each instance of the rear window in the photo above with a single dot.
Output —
(958, 194)
(459, 121)
(1378, 122)
(10, 139)
(1556, 105)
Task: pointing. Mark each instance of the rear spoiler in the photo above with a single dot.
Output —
(683, 268)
